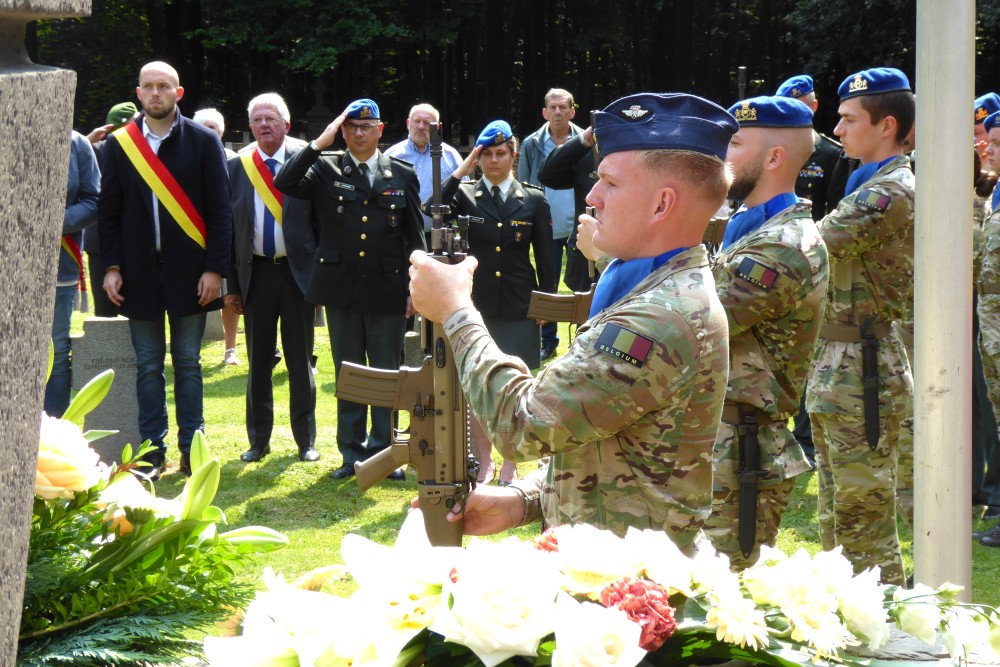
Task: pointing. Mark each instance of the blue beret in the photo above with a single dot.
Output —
(772, 112)
(677, 121)
(496, 133)
(797, 86)
(363, 109)
(985, 105)
(873, 81)
(993, 120)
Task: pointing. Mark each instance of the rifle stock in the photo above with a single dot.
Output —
(573, 308)
(436, 441)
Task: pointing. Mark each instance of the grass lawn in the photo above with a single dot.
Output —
(315, 512)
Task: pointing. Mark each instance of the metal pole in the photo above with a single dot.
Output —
(942, 548)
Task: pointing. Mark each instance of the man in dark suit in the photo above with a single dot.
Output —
(368, 210)
(274, 240)
(166, 237)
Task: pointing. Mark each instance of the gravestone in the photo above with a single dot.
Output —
(106, 343)
(213, 326)
(36, 109)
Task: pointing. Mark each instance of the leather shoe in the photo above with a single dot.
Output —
(992, 537)
(548, 351)
(992, 512)
(397, 475)
(255, 454)
(158, 461)
(185, 467)
(976, 534)
(343, 472)
(308, 454)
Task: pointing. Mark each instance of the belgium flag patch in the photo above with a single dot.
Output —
(624, 344)
(756, 273)
(873, 201)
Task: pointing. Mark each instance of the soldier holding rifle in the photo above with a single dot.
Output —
(629, 414)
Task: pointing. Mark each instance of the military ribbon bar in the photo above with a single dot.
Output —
(163, 184)
(263, 183)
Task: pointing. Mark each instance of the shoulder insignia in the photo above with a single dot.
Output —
(532, 186)
(756, 273)
(624, 344)
(399, 160)
(872, 200)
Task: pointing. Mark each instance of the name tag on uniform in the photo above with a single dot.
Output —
(345, 186)
(475, 219)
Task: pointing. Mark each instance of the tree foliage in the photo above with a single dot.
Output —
(479, 61)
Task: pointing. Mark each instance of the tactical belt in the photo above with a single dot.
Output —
(731, 414)
(848, 334)
(988, 288)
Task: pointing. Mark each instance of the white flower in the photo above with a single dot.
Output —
(501, 602)
(127, 491)
(66, 461)
(964, 629)
(766, 580)
(917, 613)
(861, 605)
(592, 558)
(737, 620)
(661, 559)
(592, 635)
(710, 570)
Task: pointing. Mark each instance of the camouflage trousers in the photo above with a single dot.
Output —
(989, 346)
(857, 492)
(774, 490)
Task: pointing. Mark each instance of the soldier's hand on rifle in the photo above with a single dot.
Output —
(469, 165)
(488, 510)
(439, 289)
(588, 136)
(329, 135)
(585, 237)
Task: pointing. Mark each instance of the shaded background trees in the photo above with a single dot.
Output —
(476, 63)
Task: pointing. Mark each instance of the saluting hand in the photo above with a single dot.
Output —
(469, 164)
(329, 135)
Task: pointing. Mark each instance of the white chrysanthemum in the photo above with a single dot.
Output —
(737, 620)
(766, 579)
(592, 635)
(862, 606)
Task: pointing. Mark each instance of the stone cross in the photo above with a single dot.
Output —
(36, 107)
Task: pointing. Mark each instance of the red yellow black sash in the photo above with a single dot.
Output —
(263, 183)
(161, 182)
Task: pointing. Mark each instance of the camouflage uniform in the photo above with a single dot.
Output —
(989, 306)
(773, 321)
(870, 240)
(628, 415)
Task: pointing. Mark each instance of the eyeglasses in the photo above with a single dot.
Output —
(267, 120)
(364, 128)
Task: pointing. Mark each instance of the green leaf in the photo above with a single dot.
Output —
(154, 539)
(200, 489)
(213, 513)
(260, 539)
(89, 397)
(52, 356)
(94, 434)
(199, 450)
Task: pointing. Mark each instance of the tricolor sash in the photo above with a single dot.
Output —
(73, 248)
(263, 183)
(161, 182)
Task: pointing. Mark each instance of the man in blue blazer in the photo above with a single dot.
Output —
(166, 237)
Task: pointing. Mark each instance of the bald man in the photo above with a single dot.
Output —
(771, 276)
(166, 237)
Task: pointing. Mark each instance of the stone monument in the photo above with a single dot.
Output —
(36, 108)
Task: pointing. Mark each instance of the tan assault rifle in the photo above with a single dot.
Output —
(436, 443)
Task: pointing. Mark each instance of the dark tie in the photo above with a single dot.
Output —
(497, 201)
(363, 168)
(268, 218)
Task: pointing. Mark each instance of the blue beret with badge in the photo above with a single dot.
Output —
(797, 86)
(993, 120)
(772, 111)
(363, 109)
(677, 121)
(874, 81)
(496, 133)
(984, 106)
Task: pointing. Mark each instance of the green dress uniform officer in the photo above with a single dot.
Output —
(771, 276)
(368, 209)
(861, 381)
(629, 414)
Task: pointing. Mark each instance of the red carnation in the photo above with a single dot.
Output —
(547, 541)
(647, 604)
